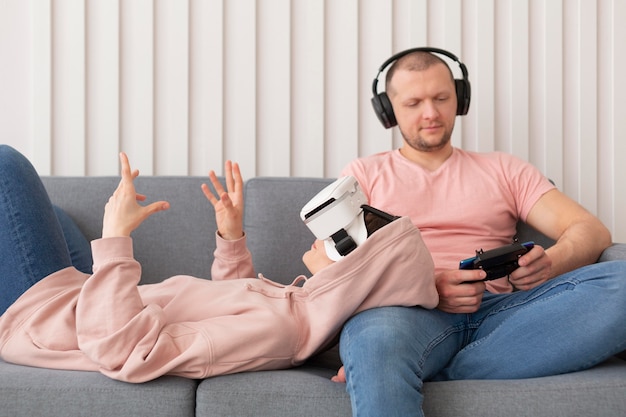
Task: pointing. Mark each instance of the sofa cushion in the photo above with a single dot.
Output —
(598, 392)
(36, 392)
(305, 391)
(308, 391)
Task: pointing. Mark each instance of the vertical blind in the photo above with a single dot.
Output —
(284, 86)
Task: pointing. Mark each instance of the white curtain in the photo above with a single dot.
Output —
(284, 86)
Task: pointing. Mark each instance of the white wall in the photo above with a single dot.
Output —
(283, 86)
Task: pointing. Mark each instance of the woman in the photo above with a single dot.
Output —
(59, 317)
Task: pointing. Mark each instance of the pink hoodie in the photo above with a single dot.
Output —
(200, 328)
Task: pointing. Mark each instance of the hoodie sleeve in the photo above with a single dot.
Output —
(128, 340)
(232, 259)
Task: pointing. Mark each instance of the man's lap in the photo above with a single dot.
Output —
(550, 329)
(569, 323)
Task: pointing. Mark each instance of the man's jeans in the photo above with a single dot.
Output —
(36, 239)
(568, 324)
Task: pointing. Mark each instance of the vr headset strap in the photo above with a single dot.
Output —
(343, 242)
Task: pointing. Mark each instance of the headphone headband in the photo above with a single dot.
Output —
(382, 104)
(423, 49)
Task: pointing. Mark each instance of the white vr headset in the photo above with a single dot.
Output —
(335, 215)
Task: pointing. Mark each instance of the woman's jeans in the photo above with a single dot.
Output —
(570, 323)
(36, 239)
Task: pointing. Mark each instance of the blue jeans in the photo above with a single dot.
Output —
(36, 239)
(568, 324)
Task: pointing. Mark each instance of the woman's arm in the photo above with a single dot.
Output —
(128, 339)
(122, 213)
(231, 258)
(228, 204)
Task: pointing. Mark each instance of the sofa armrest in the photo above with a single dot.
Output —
(615, 252)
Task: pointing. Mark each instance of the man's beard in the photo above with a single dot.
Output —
(419, 144)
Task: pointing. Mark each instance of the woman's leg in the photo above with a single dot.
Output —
(77, 244)
(32, 245)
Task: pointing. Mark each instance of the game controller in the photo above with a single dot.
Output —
(498, 262)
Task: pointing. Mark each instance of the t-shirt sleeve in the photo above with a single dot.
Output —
(527, 183)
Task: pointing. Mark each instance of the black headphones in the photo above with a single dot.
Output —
(382, 104)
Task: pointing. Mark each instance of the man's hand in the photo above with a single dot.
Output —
(228, 204)
(535, 268)
(122, 213)
(460, 291)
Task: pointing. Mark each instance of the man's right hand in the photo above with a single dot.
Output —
(460, 291)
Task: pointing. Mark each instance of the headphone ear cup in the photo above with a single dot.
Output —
(384, 110)
(463, 95)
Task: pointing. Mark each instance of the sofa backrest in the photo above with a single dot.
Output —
(179, 241)
(277, 237)
(182, 240)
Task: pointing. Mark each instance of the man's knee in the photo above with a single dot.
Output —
(382, 326)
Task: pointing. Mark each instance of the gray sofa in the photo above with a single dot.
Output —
(181, 241)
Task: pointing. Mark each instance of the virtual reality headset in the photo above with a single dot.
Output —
(335, 215)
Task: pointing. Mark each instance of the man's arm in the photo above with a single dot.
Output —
(580, 239)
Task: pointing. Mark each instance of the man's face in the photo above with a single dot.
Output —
(424, 103)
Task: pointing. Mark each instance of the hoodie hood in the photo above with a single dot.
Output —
(392, 267)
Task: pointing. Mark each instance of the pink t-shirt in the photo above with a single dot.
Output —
(473, 201)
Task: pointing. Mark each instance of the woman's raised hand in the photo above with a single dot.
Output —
(122, 213)
(228, 204)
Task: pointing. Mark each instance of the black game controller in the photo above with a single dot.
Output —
(498, 262)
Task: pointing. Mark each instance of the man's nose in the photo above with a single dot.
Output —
(430, 109)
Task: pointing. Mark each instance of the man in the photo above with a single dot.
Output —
(552, 315)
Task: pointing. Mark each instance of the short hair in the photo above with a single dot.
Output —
(376, 219)
(415, 61)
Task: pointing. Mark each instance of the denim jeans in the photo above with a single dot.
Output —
(33, 238)
(569, 323)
